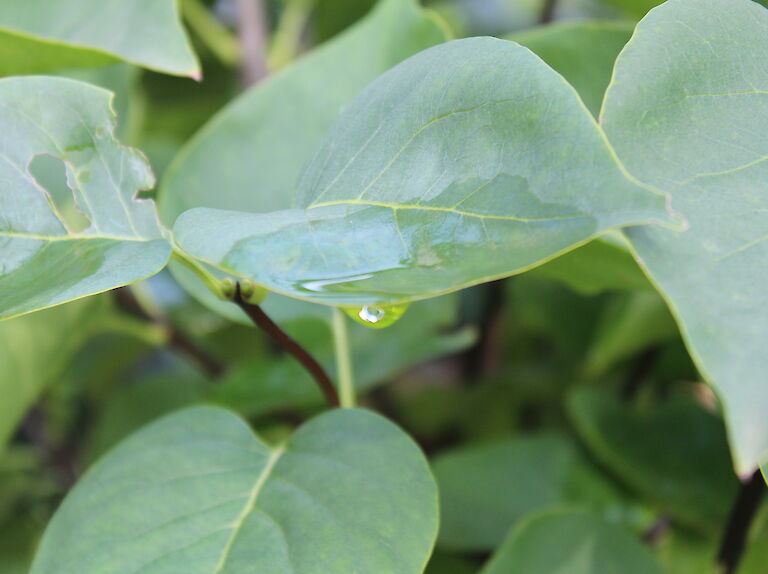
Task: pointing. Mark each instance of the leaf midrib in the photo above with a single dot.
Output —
(453, 210)
(249, 507)
(74, 237)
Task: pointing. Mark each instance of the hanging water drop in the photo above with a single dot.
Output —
(376, 316)
(371, 314)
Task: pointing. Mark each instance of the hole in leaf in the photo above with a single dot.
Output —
(51, 174)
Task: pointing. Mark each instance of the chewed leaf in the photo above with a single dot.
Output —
(470, 161)
(42, 261)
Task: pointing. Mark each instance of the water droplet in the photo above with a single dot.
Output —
(376, 316)
(371, 314)
(323, 285)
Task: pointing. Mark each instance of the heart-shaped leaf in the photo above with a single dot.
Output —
(688, 113)
(198, 493)
(42, 261)
(470, 161)
(574, 543)
(40, 35)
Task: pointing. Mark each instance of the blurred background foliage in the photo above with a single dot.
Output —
(567, 387)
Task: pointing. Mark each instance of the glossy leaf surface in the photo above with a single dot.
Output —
(197, 492)
(447, 171)
(250, 156)
(40, 35)
(43, 261)
(688, 113)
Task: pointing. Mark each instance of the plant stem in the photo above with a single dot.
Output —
(262, 320)
(343, 359)
(252, 30)
(213, 33)
(547, 11)
(286, 40)
(198, 269)
(177, 340)
(737, 530)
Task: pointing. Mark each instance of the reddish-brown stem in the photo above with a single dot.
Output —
(287, 343)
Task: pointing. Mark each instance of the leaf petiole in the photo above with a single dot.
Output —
(343, 359)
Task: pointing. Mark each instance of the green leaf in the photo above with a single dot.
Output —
(250, 156)
(688, 113)
(673, 453)
(129, 407)
(39, 36)
(468, 162)
(487, 489)
(572, 542)
(441, 563)
(756, 554)
(601, 265)
(635, 9)
(682, 553)
(197, 492)
(629, 324)
(36, 349)
(17, 542)
(45, 263)
(582, 51)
